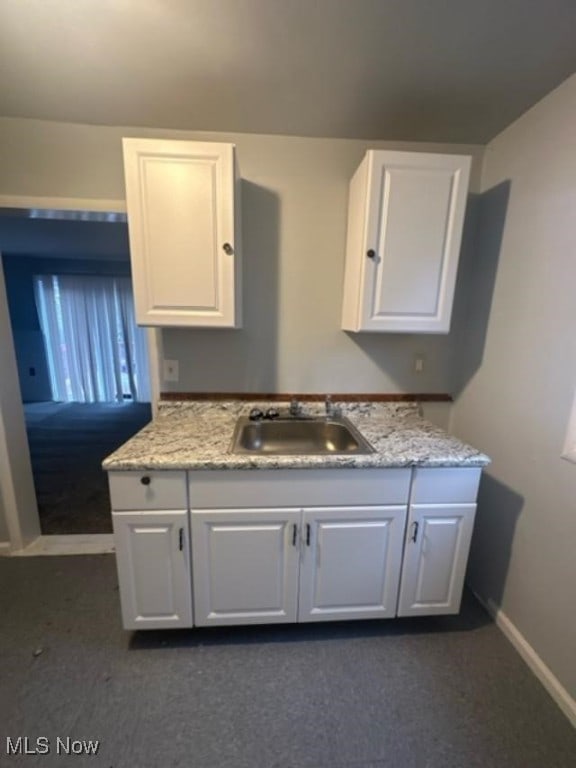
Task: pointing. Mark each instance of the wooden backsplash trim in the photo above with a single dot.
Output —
(314, 397)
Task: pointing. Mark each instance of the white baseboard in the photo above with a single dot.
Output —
(72, 544)
(554, 687)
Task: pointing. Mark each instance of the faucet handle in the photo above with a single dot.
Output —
(295, 407)
(256, 414)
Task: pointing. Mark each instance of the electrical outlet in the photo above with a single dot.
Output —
(171, 370)
(419, 363)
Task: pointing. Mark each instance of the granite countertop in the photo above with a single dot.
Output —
(197, 435)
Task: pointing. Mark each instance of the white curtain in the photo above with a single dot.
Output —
(95, 350)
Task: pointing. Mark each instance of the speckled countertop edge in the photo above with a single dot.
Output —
(198, 435)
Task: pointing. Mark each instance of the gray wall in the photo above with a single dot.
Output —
(519, 380)
(294, 198)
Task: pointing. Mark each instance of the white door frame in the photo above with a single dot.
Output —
(17, 494)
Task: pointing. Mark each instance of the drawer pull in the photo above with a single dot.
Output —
(145, 480)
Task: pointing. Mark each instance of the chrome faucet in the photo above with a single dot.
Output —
(332, 410)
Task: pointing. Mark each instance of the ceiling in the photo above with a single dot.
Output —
(420, 70)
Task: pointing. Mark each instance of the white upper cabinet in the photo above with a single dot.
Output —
(182, 198)
(405, 218)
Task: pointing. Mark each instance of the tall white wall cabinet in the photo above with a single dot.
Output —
(182, 199)
(405, 219)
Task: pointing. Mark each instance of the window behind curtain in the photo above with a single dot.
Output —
(95, 350)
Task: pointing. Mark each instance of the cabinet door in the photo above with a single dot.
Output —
(245, 566)
(406, 212)
(152, 554)
(436, 552)
(351, 561)
(180, 197)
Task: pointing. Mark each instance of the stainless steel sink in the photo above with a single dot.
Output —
(308, 436)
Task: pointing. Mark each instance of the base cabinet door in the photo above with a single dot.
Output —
(436, 552)
(153, 558)
(350, 565)
(245, 566)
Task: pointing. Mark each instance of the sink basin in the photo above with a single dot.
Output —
(298, 436)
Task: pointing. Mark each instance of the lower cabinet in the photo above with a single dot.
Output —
(438, 533)
(152, 553)
(435, 557)
(245, 566)
(285, 565)
(350, 544)
(350, 562)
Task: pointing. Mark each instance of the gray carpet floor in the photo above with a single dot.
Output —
(67, 444)
(445, 692)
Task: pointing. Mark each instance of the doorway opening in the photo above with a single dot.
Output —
(67, 444)
(82, 361)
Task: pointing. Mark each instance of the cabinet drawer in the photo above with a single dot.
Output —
(148, 490)
(445, 485)
(210, 489)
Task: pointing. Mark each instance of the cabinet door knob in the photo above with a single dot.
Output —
(227, 248)
(371, 253)
(145, 480)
